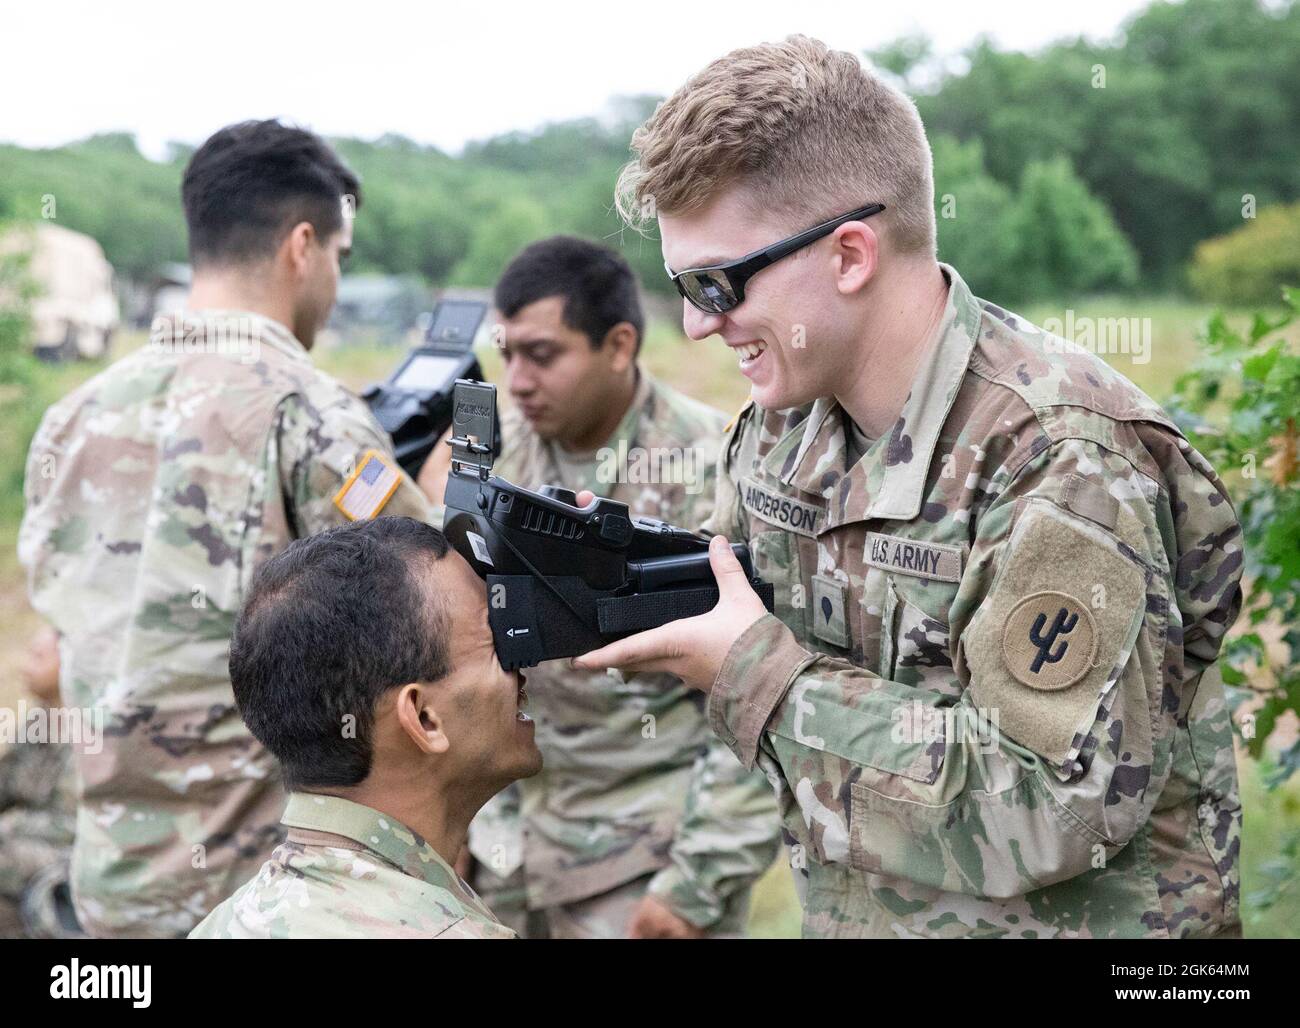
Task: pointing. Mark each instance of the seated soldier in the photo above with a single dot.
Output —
(363, 661)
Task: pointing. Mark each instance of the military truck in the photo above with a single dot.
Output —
(74, 312)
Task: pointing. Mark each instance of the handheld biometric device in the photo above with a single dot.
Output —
(563, 579)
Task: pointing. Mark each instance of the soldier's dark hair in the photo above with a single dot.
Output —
(250, 183)
(329, 625)
(598, 286)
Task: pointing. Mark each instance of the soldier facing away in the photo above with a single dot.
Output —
(1003, 576)
(641, 823)
(363, 660)
(153, 493)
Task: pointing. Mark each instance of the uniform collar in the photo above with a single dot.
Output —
(630, 427)
(377, 832)
(640, 412)
(264, 329)
(889, 480)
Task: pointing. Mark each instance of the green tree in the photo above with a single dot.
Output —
(1066, 240)
(513, 224)
(973, 217)
(1251, 264)
(1048, 237)
(1240, 406)
(22, 390)
(1192, 107)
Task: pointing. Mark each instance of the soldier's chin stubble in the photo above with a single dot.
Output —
(528, 764)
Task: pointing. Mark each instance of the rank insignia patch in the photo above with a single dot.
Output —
(829, 621)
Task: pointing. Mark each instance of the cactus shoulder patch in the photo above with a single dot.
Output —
(1049, 641)
(1056, 631)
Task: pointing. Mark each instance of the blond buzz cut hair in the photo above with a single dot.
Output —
(808, 129)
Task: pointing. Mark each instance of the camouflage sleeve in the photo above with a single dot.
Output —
(728, 836)
(1051, 744)
(319, 444)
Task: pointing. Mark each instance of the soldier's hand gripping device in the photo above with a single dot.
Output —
(563, 579)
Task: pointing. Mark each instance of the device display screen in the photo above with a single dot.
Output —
(456, 322)
(426, 372)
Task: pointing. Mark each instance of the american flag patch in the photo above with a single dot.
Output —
(365, 493)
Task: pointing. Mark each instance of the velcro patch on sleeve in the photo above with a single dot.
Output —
(370, 487)
(1062, 616)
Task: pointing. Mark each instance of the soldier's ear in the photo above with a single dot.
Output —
(855, 256)
(297, 246)
(622, 338)
(420, 720)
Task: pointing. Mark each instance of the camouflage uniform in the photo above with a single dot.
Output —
(496, 841)
(153, 492)
(37, 818)
(633, 783)
(1033, 542)
(347, 871)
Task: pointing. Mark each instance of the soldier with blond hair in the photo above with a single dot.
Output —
(1003, 575)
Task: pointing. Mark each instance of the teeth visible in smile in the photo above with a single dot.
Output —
(748, 351)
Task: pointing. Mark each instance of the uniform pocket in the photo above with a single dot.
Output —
(776, 560)
(939, 844)
(917, 649)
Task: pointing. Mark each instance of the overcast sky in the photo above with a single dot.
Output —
(438, 73)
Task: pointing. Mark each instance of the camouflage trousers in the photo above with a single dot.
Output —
(43, 910)
(603, 916)
(35, 901)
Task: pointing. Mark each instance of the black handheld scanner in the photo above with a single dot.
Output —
(563, 579)
(414, 405)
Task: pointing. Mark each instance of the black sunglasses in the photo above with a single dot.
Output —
(721, 287)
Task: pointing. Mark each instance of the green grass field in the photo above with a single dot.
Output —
(707, 371)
